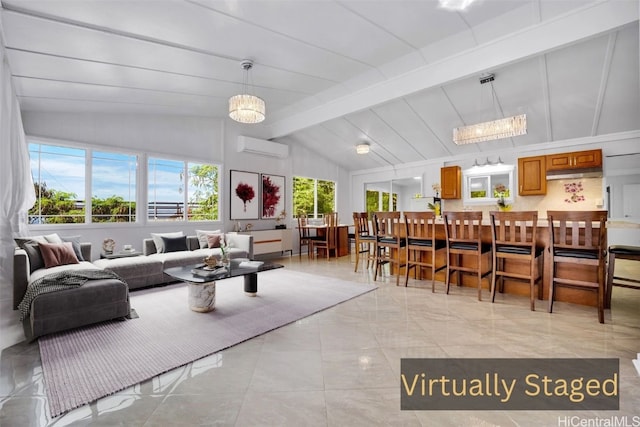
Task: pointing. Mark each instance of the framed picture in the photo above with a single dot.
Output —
(272, 199)
(244, 195)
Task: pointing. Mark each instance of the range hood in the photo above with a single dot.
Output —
(574, 174)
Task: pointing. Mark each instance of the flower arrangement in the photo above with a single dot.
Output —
(574, 188)
(500, 191)
(436, 187)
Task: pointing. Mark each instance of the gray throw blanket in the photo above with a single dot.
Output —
(59, 282)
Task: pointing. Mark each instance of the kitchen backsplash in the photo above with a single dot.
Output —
(565, 194)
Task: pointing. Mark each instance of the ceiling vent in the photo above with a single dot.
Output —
(262, 147)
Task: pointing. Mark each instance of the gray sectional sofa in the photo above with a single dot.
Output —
(147, 270)
(106, 299)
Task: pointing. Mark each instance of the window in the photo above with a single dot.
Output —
(378, 201)
(313, 197)
(174, 184)
(62, 175)
(59, 181)
(113, 187)
(60, 178)
(483, 184)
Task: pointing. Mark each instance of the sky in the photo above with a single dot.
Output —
(63, 169)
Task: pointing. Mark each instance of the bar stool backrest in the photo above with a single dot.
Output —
(420, 225)
(565, 227)
(514, 228)
(463, 227)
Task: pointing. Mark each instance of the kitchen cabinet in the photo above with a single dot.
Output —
(450, 182)
(532, 178)
(574, 160)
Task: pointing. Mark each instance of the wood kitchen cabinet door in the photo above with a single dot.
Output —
(532, 179)
(450, 182)
(574, 160)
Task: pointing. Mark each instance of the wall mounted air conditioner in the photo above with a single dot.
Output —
(262, 147)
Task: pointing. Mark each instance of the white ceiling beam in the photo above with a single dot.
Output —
(604, 79)
(555, 33)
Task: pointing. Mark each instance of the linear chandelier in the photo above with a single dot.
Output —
(246, 108)
(489, 131)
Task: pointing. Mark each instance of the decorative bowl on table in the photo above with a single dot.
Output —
(211, 261)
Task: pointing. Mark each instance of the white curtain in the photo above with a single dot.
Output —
(16, 186)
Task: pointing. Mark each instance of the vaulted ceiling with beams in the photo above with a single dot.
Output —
(398, 74)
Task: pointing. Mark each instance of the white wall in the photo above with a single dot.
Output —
(613, 147)
(192, 138)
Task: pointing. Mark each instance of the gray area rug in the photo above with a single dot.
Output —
(83, 365)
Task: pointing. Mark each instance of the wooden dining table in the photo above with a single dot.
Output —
(342, 243)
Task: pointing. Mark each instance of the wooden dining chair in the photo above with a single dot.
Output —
(328, 240)
(422, 245)
(363, 238)
(463, 231)
(389, 245)
(304, 234)
(513, 236)
(578, 238)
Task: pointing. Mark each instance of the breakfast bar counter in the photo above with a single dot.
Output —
(578, 296)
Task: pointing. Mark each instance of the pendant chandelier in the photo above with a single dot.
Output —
(495, 129)
(246, 108)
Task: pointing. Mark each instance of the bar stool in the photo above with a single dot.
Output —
(388, 244)
(514, 238)
(631, 253)
(422, 245)
(579, 238)
(363, 238)
(464, 237)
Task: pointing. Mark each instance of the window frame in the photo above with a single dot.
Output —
(141, 185)
(488, 172)
(315, 213)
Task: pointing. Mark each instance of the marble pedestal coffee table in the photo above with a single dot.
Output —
(202, 289)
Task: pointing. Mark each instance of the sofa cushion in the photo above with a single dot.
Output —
(82, 265)
(174, 244)
(214, 240)
(178, 259)
(55, 254)
(203, 237)
(131, 266)
(53, 238)
(36, 261)
(157, 239)
(75, 242)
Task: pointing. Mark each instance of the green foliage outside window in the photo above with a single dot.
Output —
(203, 192)
(55, 207)
(305, 201)
(376, 203)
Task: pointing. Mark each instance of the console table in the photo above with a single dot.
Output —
(269, 241)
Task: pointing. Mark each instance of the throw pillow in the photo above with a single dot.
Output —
(35, 257)
(53, 238)
(55, 254)
(157, 239)
(20, 241)
(30, 246)
(174, 244)
(214, 240)
(75, 243)
(203, 239)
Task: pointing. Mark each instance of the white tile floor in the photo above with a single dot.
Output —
(341, 366)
